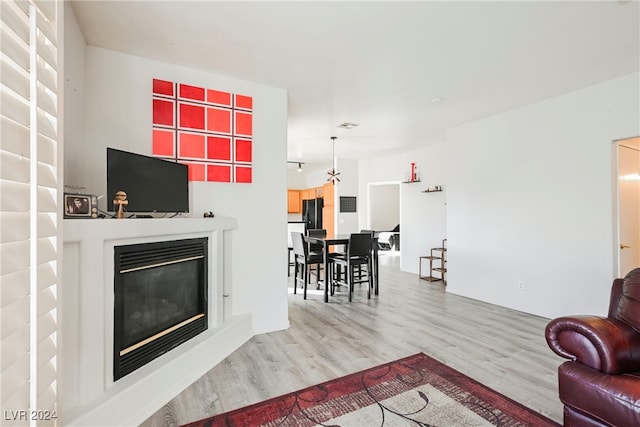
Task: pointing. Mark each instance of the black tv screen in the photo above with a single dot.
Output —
(151, 184)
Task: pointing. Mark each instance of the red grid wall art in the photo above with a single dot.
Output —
(208, 130)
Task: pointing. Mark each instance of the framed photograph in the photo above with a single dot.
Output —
(80, 205)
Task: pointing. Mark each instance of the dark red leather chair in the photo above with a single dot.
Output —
(600, 385)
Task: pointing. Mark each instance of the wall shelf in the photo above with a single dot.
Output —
(411, 182)
(433, 189)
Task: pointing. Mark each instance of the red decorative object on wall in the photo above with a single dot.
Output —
(210, 131)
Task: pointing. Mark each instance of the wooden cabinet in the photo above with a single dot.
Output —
(295, 198)
(328, 194)
(293, 201)
(327, 220)
(312, 193)
(328, 209)
(308, 194)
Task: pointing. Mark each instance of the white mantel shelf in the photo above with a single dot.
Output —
(110, 229)
(88, 394)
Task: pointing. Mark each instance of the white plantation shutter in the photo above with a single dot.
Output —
(28, 206)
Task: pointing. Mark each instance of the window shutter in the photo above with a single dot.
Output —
(28, 204)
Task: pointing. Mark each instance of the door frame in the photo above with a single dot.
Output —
(381, 183)
(616, 201)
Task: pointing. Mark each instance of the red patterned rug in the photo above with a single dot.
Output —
(414, 391)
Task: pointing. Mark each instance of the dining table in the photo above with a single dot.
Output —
(342, 240)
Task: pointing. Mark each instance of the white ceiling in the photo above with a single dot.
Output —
(381, 64)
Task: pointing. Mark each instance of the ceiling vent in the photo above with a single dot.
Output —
(347, 125)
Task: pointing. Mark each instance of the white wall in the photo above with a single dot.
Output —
(296, 180)
(117, 113)
(74, 94)
(316, 177)
(347, 222)
(530, 199)
(310, 177)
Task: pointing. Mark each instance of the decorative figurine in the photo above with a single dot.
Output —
(120, 200)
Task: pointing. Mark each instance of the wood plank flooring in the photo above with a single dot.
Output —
(501, 348)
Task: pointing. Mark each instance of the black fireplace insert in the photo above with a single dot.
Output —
(160, 299)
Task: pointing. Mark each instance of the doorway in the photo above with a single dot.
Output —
(628, 205)
(383, 210)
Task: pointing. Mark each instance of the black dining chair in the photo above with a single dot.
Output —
(316, 232)
(303, 259)
(317, 248)
(358, 254)
(360, 267)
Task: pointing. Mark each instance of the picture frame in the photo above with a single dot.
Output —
(77, 205)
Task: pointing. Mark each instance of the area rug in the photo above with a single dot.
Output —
(414, 391)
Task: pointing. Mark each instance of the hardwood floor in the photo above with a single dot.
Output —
(501, 348)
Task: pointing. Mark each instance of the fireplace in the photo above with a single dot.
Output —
(160, 299)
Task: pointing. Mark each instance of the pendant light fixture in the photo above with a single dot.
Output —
(333, 173)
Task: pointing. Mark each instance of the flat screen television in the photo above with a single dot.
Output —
(151, 184)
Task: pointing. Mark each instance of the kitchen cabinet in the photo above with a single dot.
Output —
(328, 194)
(294, 204)
(328, 209)
(325, 192)
(308, 194)
(327, 220)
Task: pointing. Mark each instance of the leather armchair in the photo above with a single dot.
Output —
(600, 384)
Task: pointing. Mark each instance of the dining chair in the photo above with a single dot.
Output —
(291, 227)
(317, 248)
(358, 254)
(372, 234)
(316, 232)
(303, 259)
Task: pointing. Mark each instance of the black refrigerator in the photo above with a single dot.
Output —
(312, 213)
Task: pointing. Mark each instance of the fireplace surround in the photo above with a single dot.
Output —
(88, 395)
(160, 299)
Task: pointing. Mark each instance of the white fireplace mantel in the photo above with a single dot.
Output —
(87, 393)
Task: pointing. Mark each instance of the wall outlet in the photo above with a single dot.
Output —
(521, 286)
